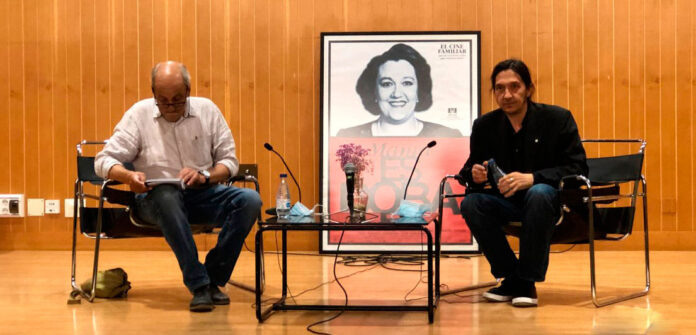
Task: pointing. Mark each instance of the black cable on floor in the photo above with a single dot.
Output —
(280, 267)
(345, 293)
(420, 276)
(562, 251)
(332, 281)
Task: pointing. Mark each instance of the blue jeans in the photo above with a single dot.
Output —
(538, 210)
(173, 210)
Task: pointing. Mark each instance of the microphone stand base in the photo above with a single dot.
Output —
(344, 216)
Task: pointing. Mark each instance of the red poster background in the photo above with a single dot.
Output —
(393, 159)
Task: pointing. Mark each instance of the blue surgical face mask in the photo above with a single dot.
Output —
(409, 209)
(301, 210)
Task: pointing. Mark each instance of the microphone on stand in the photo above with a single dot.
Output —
(269, 147)
(430, 145)
(349, 169)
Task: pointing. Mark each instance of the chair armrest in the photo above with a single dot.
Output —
(238, 178)
(602, 193)
(116, 196)
(111, 182)
(474, 187)
(459, 179)
(244, 178)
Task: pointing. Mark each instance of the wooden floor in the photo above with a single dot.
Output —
(34, 287)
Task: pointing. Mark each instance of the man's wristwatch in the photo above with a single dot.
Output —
(206, 174)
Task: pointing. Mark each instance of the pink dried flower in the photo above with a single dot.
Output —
(355, 154)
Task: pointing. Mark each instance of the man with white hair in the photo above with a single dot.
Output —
(173, 135)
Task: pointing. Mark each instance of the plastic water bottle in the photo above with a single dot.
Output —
(283, 198)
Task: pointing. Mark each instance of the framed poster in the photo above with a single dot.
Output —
(390, 94)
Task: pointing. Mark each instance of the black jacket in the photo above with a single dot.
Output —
(552, 146)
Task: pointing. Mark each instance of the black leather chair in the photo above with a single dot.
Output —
(116, 220)
(597, 207)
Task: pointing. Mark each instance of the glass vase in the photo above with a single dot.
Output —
(360, 199)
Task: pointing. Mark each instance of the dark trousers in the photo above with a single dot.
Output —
(538, 211)
(173, 210)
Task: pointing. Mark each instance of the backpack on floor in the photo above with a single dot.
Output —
(112, 283)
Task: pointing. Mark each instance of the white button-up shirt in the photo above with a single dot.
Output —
(160, 149)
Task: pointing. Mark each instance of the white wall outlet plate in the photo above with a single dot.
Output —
(35, 207)
(52, 206)
(69, 206)
(11, 205)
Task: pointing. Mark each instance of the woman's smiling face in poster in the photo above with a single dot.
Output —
(397, 90)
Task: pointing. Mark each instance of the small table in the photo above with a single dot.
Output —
(335, 222)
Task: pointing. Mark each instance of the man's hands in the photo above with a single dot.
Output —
(191, 177)
(513, 182)
(508, 184)
(136, 181)
(480, 173)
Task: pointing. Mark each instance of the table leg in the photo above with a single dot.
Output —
(431, 300)
(259, 273)
(285, 263)
(438, 236)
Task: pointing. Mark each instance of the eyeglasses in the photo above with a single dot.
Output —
(177, 104)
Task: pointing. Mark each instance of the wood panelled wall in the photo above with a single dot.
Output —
(70, 68)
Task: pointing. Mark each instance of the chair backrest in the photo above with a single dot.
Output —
(616, 169)
(114, 219)
(606, 174)
(85, 170)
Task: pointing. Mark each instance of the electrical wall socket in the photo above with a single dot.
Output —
(35, 207)
(52, 206)
(12, 205)
(69, 206)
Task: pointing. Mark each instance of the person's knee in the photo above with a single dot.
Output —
(541, 194)
(166, 195)
(252, 200)
(163, 206)
(247, 200)
(472, 203)
(542, 200)
(167, 199)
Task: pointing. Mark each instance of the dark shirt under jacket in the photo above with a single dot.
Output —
(548, 145)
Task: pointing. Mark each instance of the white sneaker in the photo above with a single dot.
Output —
(504, 292)
(526, 298)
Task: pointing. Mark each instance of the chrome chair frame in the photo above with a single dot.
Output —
(590, 201)
(79, 197)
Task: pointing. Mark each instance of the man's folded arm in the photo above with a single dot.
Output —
(121, 147)
(224, 147)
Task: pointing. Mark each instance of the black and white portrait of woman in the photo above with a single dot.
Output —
(391, 93)
(396, 86)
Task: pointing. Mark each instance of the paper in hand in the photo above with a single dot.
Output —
(172, 181)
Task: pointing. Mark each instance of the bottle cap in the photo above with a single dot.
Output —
(283, 175)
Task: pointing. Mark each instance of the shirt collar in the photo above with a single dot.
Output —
(525, 122)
